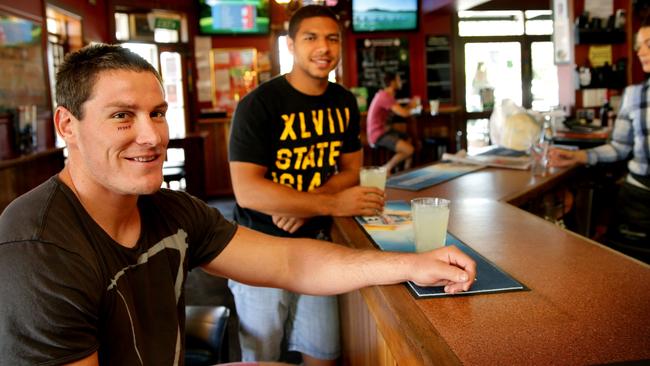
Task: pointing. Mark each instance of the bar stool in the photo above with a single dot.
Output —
(205, 327)
(379, 155)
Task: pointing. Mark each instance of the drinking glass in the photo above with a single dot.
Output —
(430, 217)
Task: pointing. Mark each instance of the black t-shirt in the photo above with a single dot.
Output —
(68, 289)
(299, 138)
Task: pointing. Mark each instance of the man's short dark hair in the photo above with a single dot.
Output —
(389, 77)
(78, 73)
(309, 11)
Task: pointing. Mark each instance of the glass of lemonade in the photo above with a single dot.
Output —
(430, 217)
(373, 176)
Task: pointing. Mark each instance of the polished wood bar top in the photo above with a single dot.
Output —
(587, 304)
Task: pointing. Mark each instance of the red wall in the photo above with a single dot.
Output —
(94, 18)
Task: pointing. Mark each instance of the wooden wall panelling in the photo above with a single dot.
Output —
(217, 170)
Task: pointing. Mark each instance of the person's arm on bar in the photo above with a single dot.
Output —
(255, 192)
(320, 268)
(558, 157)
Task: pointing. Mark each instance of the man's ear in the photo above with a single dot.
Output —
(63, 123)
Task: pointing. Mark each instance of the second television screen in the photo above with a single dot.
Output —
(384, 15)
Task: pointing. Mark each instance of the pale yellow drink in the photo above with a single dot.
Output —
(373, 176)
(430, 218)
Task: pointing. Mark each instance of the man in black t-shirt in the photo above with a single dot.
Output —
(93, 261)
(294, 157)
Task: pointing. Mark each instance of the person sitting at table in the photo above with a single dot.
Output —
(94, 260)
(631, 221)
(379, 133)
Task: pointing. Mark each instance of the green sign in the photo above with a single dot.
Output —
(165, 23)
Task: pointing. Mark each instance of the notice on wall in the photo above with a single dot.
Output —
(600, 55)
(202, 46)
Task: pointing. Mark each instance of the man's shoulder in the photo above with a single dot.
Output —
(267, 89)
(339, 89)
(24, 217)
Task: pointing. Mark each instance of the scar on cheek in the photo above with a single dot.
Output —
(122, 128)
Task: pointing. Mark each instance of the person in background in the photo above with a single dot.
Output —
(93, 261)
(295, 156)
(379, 133)
(631, 222)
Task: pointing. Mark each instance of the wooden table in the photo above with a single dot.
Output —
(587, 304)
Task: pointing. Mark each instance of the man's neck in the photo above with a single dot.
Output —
(307, 84)
(117, 214)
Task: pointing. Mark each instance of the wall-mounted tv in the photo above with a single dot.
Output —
(384, 15)
(234, 17)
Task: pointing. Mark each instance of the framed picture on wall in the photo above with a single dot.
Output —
(233, 73)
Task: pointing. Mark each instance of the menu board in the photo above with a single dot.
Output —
(375, 56)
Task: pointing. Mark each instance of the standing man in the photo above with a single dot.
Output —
(379, 132)
(295, 156)
(631, 221)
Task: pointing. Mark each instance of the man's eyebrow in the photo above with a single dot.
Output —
(122, 105)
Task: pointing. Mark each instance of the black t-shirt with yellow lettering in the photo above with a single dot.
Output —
(299, 138)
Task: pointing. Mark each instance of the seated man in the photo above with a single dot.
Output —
(378, 131)
(94, 260)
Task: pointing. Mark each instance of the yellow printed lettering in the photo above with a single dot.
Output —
(334, 152)
(299, 151)
(347, 117)
(274, 175)
(299, 185)
(288, 127)
(340, 118)
(283, 159)
(330, 119)
(309, 160)
(321, 146)
(317, 118)
(287, 179)
(315, 182)
(303, 128)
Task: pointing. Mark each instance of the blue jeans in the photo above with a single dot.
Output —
(267, 316)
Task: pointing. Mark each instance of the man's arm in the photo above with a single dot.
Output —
(254, 191)
(91, 360)
(558, 157)
(320, 268)
(348, 175)
(401, 111)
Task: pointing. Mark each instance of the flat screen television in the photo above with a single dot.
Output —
(234, 17)
(384, 15)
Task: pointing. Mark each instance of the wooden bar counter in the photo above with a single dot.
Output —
(587, 304)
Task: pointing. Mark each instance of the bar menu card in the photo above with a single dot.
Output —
(393, 231)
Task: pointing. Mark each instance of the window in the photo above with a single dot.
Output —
(156, 36)
(63, 36)
(157, 26)
(508, 55)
